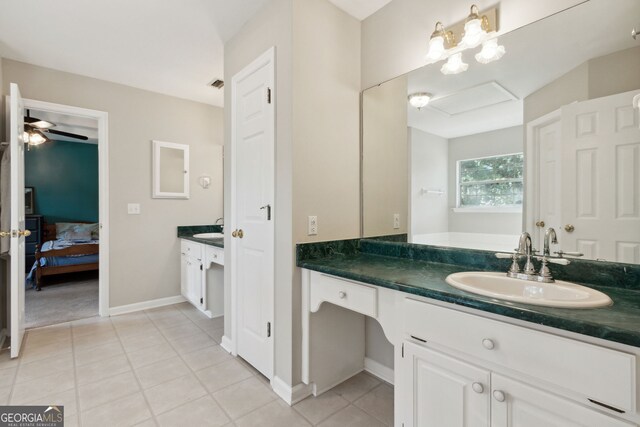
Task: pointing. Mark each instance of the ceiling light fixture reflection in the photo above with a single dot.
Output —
(490, 52)
(454, 65)
(419, 100)
(476, 28)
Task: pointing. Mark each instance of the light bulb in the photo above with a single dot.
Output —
(490, 52)
(36, 139)
(454, 65)
(436, 48)
(473, 33)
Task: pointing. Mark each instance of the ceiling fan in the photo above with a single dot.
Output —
(35, 130)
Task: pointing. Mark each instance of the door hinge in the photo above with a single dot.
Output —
(403, 350)
(201, 300)
(268, 95)
(268, 329)
(200, 267)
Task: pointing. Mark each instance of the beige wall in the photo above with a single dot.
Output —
(326, 115)
(394, 39)
(615, 73)
(385, 158)
(144, 251)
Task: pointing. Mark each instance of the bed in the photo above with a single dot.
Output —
(61, 256)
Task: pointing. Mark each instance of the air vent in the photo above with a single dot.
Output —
(218, 84)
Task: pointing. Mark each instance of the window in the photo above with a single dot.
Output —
(491, 182)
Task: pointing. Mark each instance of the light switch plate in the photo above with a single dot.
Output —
(313, 226)
(396, 221)
(133, 208)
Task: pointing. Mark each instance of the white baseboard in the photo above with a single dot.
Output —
(146, 305)
(378, 370)
(226, 344)
(291, 395)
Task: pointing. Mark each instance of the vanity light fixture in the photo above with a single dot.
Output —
(476, 28)
(419, 99)
(490, 52)
(437, 42)
(454, 65)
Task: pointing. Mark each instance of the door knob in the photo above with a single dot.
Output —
(240, 233)
(234, 233)
(25, 233)
(569, 228)
(540, 224)
(5, 234)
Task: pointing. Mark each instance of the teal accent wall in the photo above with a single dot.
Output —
(65, 178)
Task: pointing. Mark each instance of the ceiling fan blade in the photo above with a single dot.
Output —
(37, 123)
(67, 134)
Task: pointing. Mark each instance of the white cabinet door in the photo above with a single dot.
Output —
(441, 391)
(515, 404)
(192, 288)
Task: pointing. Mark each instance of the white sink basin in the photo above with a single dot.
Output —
(558, 294)
(209, 236)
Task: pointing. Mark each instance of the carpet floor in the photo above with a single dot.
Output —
(62, 299)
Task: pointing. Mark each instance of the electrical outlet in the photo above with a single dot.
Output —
(133, 208)
(396, 221)
(313, 226)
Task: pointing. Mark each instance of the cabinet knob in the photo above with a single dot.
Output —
(540, 224)
(488, 344)
(477, 387)
(569, 228)
(342, 294)
(499, 395)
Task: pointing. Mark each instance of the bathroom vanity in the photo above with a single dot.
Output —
(201, 268)
(467, 360)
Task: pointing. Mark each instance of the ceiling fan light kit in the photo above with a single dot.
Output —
(35, 129)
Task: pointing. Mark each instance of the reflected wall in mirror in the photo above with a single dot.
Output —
(545, 137)
(170, 170)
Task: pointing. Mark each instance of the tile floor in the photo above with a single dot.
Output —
(165, 367)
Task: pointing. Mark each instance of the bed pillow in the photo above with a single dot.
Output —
(73, 231)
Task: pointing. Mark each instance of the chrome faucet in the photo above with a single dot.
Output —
(525, 248)
(550, 234)
(221, 225)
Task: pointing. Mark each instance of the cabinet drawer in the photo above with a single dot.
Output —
(347, 294)
(191, 249)
(605, 375)
(214, 254)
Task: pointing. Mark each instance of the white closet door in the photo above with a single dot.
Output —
(253, 159)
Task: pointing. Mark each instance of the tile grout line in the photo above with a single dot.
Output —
(208, 393)
(135, 375)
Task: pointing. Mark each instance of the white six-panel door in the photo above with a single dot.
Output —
(601, 178)
(253, 159)
(17, 246)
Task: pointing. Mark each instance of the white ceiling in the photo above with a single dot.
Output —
(535, 55)
(360, 9)
(171, 47)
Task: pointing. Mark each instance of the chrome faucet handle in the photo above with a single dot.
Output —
(515, 268)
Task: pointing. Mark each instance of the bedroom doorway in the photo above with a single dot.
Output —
(66, 192)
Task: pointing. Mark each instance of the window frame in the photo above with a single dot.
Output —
(487, 209)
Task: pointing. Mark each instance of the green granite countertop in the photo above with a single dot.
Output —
(619, 322)
(187, 232)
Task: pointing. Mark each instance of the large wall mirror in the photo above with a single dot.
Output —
(544, 137)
